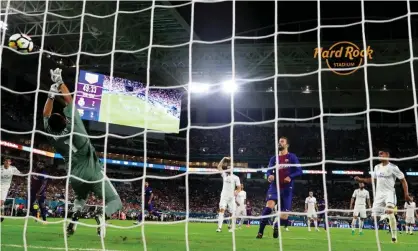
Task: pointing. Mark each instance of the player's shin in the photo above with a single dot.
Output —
(78, 206)
(360, 224)
(220, 219)
(264, 221)
(353, 224)
(393, 225)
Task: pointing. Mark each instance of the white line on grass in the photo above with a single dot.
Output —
(52, 248)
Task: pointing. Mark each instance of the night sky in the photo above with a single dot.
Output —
(213, 21)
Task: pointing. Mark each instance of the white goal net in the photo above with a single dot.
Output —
(337, 89)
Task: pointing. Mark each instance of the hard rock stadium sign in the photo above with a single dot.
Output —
(344, 55)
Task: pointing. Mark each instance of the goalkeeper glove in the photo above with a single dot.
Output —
(56, 76)
(53, 90)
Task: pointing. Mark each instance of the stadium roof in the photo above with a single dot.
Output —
(254, 58)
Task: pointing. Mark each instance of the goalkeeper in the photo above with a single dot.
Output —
(85, 164)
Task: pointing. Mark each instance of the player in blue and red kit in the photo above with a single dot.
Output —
(287, 174)
(249, 212)
(38, 190)
(321, 216)
(149, 196)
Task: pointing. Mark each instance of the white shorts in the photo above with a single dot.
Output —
(382, 201)
(241, 211)
(360, 210)
(227, 202)
(410, 220)
(312, 214)
(4, 191)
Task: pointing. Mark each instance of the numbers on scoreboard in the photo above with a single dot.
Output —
(89, 88)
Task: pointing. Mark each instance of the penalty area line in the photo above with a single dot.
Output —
(53, 248)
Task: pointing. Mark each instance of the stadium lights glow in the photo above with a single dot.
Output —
(3, 25)
(306, 90)
(384, 88)
(198, 87)
(229, 86)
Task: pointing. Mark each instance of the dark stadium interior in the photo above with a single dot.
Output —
(360, 113)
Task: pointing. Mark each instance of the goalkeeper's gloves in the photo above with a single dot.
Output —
(56, 76)
(53, 90)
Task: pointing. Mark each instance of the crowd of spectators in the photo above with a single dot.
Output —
(170, 194)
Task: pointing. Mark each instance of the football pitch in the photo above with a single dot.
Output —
(131, 111)
(201, 237)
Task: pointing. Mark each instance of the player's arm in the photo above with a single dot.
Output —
(221, 163)
(368, 200)
(306, 204)
(353, 198)
(363, 180)
(316, 206)
(66, 94)
(399, 174)
(238, 185)
(49, 105)
(295, 170)
(150, 198)
(270, 172)
(352, 202)
(16, 171)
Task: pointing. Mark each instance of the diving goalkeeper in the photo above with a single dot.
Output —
(84, 164)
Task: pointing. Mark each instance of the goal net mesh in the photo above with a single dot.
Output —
(96, 47)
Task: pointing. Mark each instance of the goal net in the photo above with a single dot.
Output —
(206, 79)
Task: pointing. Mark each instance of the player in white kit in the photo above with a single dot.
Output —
(360, 196)
(230, 183)
(310, 208)
(241, 200)
(6, 171)
(384, 203)
(411, 212)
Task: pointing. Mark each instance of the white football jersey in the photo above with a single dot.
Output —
(7, 175)
(241, 197)
(311, 201)
(410, 209)
(361, 195)
(386, 177)
(230, 182)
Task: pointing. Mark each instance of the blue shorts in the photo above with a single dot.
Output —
(286, 197)
(149, 207)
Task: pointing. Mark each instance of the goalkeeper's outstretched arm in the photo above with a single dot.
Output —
(222, 163)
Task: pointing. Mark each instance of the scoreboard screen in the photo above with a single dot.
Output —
(124, 102)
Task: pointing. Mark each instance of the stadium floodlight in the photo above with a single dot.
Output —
(306, 90)
(196, 87)
(3, 25)
(229, 86)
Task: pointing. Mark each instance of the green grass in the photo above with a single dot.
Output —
(130, 111)
(202, 237)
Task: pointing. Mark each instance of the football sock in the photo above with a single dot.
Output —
(220, 220)
(264, 221)
(392, 223)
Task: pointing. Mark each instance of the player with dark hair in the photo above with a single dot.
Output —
(385, 175)
(38, 189)
(287, 174)
(85, 164)
(149, 203)
(7, 170)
